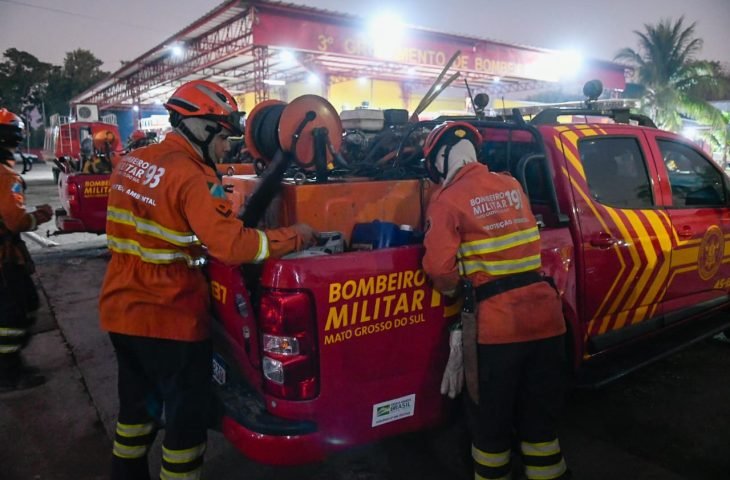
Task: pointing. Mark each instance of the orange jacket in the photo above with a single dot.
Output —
(13, 217)
(480, 226)
(165, 204)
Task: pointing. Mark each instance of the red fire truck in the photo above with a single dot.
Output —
(76, 147)
(346, 343)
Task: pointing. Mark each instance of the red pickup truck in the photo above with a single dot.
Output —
(83, 191)
(321, 352)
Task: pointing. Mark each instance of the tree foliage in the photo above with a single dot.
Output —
(80, 70)
(672, 82)
(718, 90)
(22, 81)
(27, 84)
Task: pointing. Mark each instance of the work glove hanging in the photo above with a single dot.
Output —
(42, 214)
(453, 379)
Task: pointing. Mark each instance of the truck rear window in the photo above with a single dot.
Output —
(502, 151)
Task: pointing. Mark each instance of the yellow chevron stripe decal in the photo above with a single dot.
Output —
(651, 259)
(685, 256)
(680, 270)
(634, 268)
(588, 131)
(665, 244)
(573, 139)
(614, 248)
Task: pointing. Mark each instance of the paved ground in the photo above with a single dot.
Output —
(41, 189)
(669, 421)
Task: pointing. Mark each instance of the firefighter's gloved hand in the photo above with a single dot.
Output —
(307, 235)
(453, 379)
(42, 213)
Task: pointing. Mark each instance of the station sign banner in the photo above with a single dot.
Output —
(415, 47)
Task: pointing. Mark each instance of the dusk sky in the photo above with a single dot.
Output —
(124, 29)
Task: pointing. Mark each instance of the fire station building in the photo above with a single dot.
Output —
(261, 50)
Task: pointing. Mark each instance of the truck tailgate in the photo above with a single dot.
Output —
(382, 340)
(84, 198)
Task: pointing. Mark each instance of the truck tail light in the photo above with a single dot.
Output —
(289, 338)
(72, 189)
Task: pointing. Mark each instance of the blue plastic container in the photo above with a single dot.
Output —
(377, 234)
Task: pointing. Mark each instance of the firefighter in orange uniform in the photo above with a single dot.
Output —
(18, 296)
(138, 139)
(103, 159)
(482, 241)
(167, 210)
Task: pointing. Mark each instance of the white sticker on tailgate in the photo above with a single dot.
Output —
(392, 410)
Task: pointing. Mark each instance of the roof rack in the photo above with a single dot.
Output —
(619, 115)
(619, 110)
(607, 104)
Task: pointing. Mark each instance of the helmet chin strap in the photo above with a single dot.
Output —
(203, 145)
(6, 157)
(456, 156)
(444, 173)
(441, 175)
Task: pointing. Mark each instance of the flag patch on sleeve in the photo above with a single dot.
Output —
(216, 190)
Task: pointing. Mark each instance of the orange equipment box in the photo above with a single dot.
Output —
(235, 168)
(338, 206)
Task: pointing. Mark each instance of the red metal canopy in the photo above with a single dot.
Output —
(241, 45)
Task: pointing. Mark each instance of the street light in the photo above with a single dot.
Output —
(177, 51)
(386, 32)
(287, 58)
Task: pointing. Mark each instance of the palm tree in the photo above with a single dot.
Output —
(670, 78)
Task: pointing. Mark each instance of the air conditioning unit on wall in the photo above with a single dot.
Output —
(87, 112)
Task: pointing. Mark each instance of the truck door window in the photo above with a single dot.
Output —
(695, 180)
(616, 172)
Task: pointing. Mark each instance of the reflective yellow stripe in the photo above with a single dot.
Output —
(12, 332)
(497, 244)
(138, 430)
(182, 456)
(153, 229)
(501, 267)
(541, 449)
(479, 477)
(125, 451)
(9, 348)
(263, 252)
(493, 460)
(168, 475)
(152, 255)
(545, 473)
